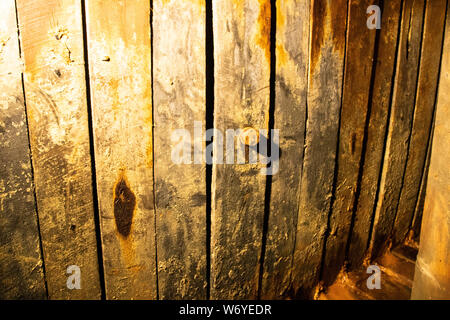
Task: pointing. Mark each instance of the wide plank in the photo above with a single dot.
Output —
(55, 92)
(179, 101)
(292, 54)
(119, 47)
(325, 80)
(242, 80)
(21, 267)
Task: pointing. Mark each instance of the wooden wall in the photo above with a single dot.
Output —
(91, 93)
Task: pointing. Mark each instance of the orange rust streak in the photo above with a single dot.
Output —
(264, 21)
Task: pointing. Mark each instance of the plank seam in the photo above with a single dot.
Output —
(153, 150)
(92, 153)
(209, 114)
(268, 187)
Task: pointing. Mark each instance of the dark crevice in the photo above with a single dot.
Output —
(386, 132)
(365, 137)
(423, 177)
(268, 188)
(41, 249)
(209, 47)
(412, 118)
(336, 162)
(92, 153)
(153, 152)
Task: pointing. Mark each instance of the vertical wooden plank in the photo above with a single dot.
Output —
(55, 92)
(418, 210)
(292, 46)
(400, 122)
(120, 82)
(432, 276)
(21, 272)
(327, 50)
(376, 131)
(242, 74)
(355, 99)
(179, 97)
(423, 114)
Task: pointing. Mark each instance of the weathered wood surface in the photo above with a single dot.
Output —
(242, 73)
(355, 102)
(376, 131)
(418, 211)
(432, 276)
(55, 91)
(423, 114)
(120, 81)
(327, 50)
(179, 100)
(292, 44)
(400, 123)
(21, 269)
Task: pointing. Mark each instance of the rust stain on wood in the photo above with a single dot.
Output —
(264, 17)
(124, 205)
(328, 20)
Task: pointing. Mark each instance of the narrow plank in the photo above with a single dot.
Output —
(376, 131)
(242, 78)
(179, 98)
(432, 275)
(21, 269)
(423, 115)
(55, 92)
(292, 36)
(327, 50)
(400, 123)
(355, 102)
(418, 211)
(120, 82)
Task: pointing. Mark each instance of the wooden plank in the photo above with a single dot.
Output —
(423, 115)
(55, 92)
(355, 102)
(21, 269)
(376, 131)
(400, 123)
(327, 50)
(242, 74)
(432, 276)
(418, 211)
(179, 97)
(292, 34)
(120, 82)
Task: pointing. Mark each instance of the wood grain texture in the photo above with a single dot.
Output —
(21, 268)
(423, 114)
(179, 97)
(292, 54)
(327, 50)
(400, 123)
(376, 131)
(55, 91)
(242, 73)
(432, 275)
(355, 102)
(120, 82)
